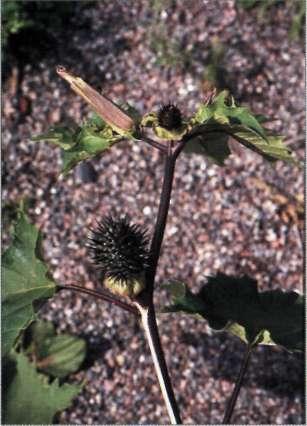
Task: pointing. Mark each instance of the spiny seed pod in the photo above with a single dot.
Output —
(119, 249)
(169, 117)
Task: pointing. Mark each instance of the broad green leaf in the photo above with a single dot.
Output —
(55, 355)
(216, 121)
(88, 144)
(29, 397)
(82, 143)
(25, 280)
(235, 305)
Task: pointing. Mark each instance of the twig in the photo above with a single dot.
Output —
(101, 296)
(233, 399)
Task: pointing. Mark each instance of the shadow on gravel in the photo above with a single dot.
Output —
(272, 369)
(96, 347)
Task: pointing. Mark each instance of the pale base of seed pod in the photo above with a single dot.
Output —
(168, 135)
(130, 288)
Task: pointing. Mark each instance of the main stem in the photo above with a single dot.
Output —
(149, 323)
(233, 399)
(157, 238)
(145, 303)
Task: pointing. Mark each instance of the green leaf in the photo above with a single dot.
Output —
(60, 136)
(56, 355)
(216, 121)
(222, 113)
(234, 304)
(81, 143)
(272, 148)
(88, 144)
(213, 145)
(30, 399)
(25, 280)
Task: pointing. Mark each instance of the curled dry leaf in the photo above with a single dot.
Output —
(105, 108)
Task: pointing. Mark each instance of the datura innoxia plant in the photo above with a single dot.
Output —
(125, 253)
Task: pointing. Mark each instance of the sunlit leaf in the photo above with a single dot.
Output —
(81, 143)
(29, 398)
(25, 280)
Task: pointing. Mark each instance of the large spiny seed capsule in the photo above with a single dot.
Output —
(119, 249)
(169, 117)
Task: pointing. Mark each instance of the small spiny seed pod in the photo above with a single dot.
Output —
(169, 117)
(120, 250)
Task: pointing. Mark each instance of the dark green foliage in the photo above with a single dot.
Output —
(235, 305)
(249, 4)
(43, 15)
(13, 19)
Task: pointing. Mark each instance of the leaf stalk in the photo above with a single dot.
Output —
(101, 296)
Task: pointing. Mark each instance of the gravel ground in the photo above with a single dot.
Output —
(110, 46)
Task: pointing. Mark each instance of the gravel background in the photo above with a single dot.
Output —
(223, 219)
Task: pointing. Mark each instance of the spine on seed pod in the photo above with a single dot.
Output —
(119, 249)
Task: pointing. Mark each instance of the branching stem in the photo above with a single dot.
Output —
(233, 399)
